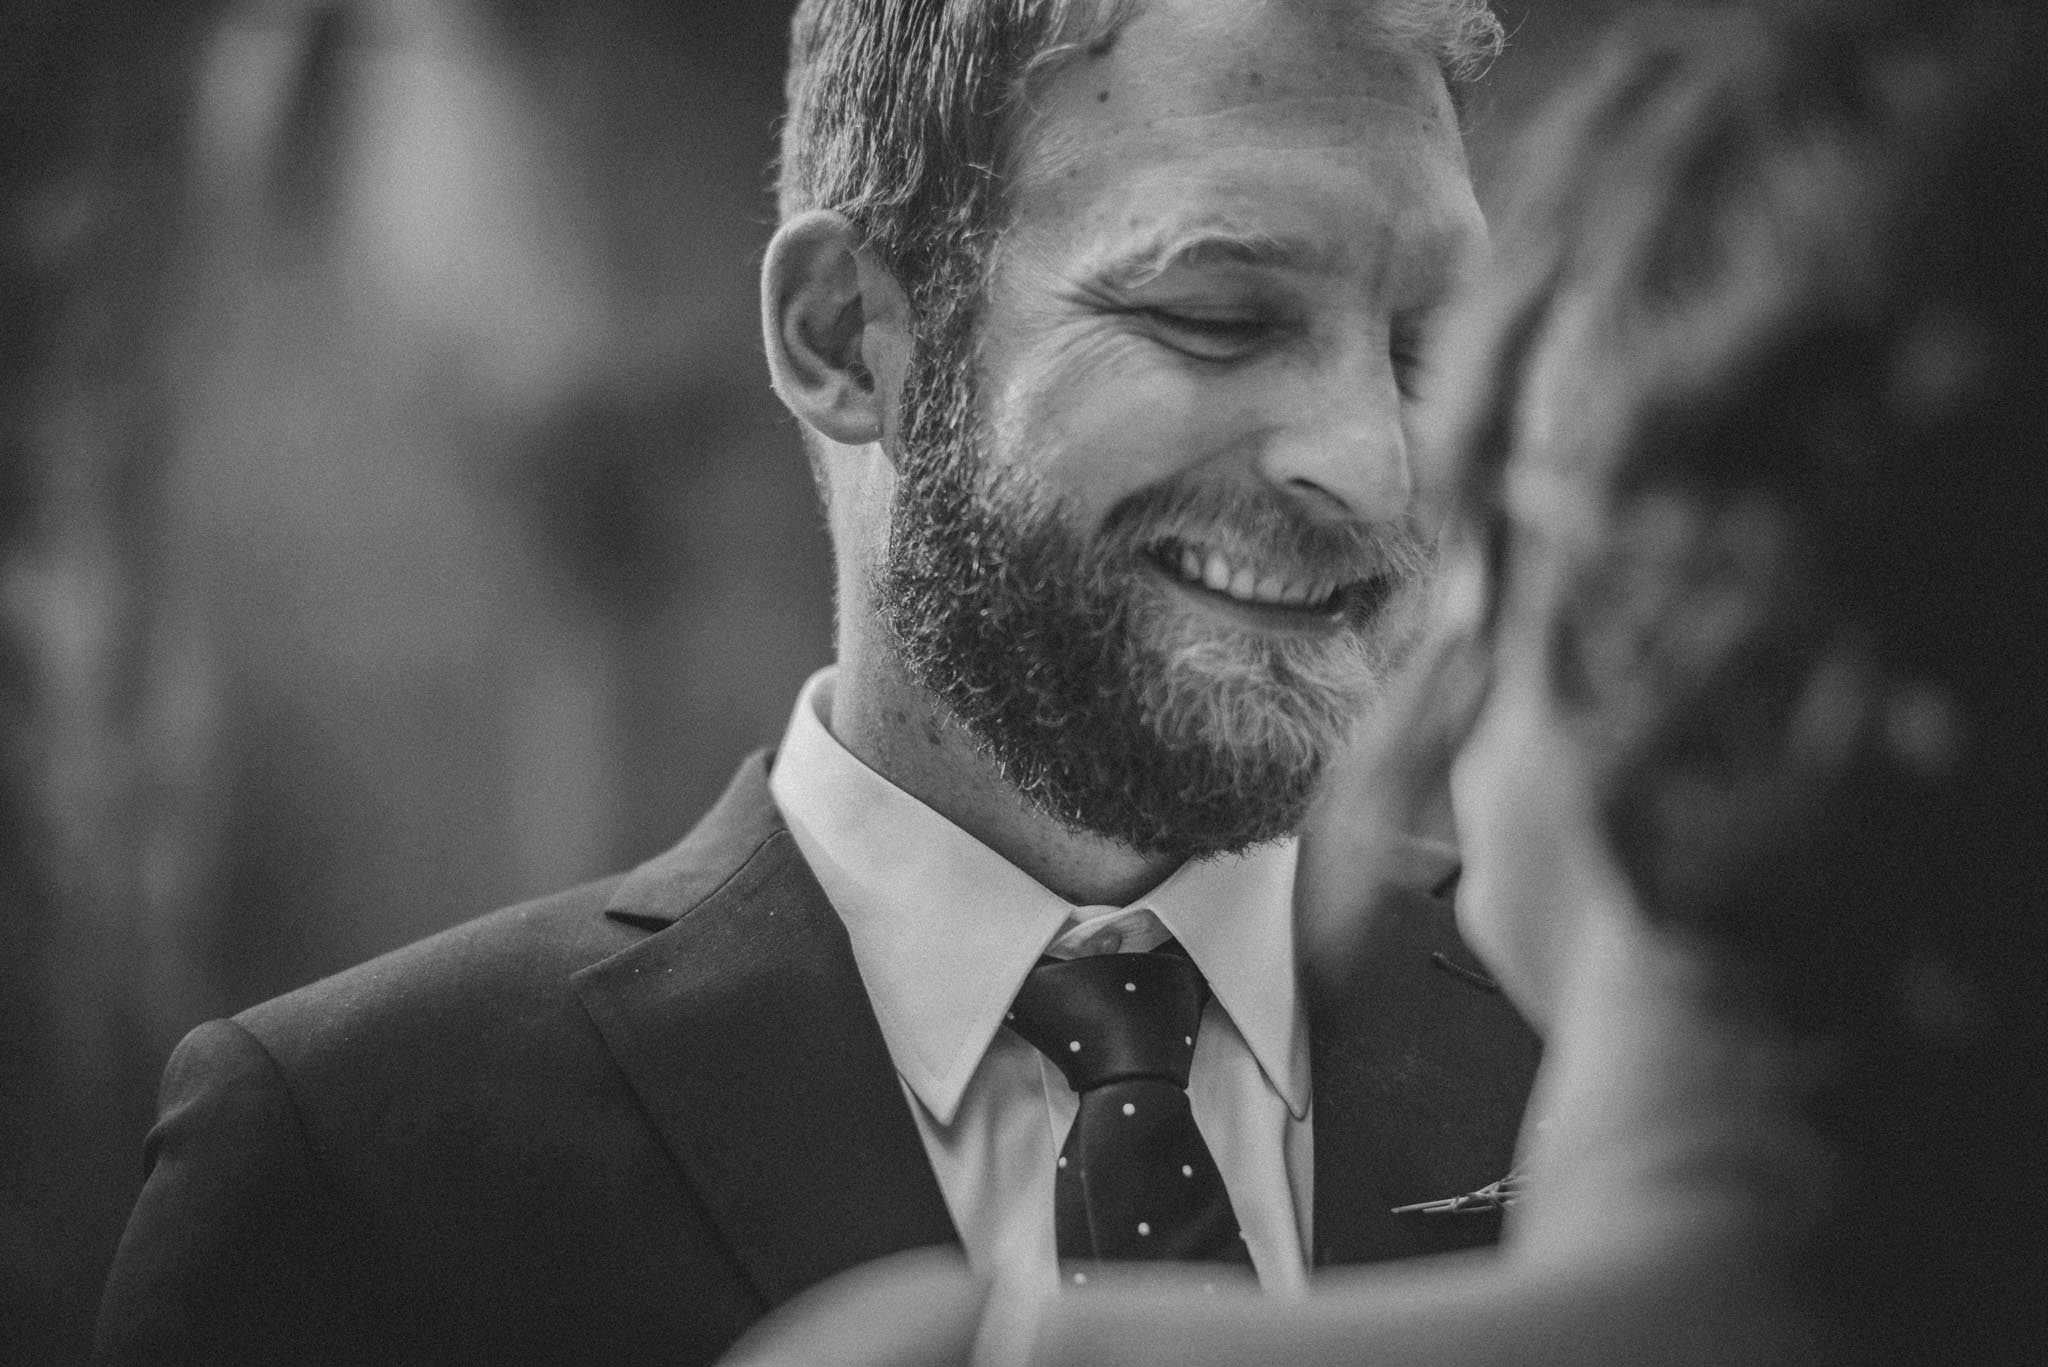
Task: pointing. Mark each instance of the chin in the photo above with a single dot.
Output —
(1492, 930)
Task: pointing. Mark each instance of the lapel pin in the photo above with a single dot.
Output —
(1493, 1196)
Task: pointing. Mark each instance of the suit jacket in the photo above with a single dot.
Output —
(620, 1124)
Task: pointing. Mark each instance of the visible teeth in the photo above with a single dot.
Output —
(1216, 574)
(1213, 572)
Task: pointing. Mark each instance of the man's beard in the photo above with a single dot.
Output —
(1103, 700)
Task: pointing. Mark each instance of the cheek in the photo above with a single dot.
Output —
(1102, 421)
(1510, 904)
(1475, 795)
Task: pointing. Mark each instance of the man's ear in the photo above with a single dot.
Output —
(837, 328)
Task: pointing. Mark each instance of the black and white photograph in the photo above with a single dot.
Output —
(1023, 683)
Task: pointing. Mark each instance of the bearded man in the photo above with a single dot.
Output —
(1102, 321)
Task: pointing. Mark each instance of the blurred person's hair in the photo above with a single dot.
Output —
(1761, 369)
(900, 114)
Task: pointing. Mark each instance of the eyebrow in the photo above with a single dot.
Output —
(1205, 248)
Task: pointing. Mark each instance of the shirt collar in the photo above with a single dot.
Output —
(944, 929)
(1234, 916)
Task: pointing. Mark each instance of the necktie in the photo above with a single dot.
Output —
(1135, 1179)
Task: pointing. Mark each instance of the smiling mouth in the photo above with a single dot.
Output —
(1211, 570)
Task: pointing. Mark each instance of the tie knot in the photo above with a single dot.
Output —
(1110, 1017)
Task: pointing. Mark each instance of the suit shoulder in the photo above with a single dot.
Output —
(496, 972)
(490, 1008)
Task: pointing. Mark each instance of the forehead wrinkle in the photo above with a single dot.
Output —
(1420, 245)
(1135, 265)
(1051, 144)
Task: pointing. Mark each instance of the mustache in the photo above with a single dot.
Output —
(1264, 527)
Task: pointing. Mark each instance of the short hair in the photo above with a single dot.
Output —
(899, 112)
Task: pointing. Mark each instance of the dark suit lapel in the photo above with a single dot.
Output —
(743, 1027)
(1422, 1070)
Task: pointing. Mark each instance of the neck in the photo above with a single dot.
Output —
(904, 734)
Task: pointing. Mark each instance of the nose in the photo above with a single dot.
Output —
(1338, 444)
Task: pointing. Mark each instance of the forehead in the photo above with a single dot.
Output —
(1285, 121)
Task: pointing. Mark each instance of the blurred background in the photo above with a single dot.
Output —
(395, 521)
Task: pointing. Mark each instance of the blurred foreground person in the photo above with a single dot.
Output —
(1744, 726)
(1100, 319)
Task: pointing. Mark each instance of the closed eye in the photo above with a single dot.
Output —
(1208, 337)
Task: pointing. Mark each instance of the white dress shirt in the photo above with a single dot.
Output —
(944, 929)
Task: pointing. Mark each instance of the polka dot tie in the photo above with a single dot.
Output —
(1135, 1180)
